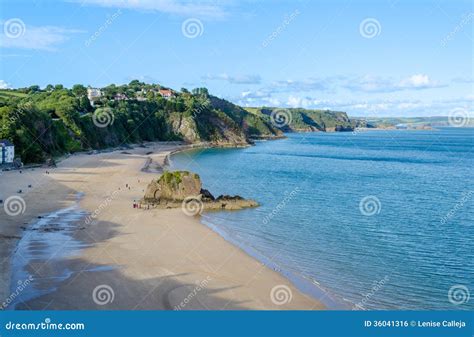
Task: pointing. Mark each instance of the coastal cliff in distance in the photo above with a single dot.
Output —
(308, 120)
(46, 123)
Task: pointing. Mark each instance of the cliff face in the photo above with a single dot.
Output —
(221, 123)
(252, 126)
(185, 127)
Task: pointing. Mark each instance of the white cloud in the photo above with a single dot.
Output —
(417, 81)
(303, 93)
(383, 84)
(368, 84)
(142, 78)
(37, 38)
(300, 102)
(309, 84)
(4, 85)
(202, 9)
(256, 98)
(360, 108)
(238, 79)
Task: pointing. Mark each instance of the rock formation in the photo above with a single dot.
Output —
(174, 189)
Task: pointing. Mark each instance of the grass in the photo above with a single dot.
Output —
(254, 111)
(9, 93)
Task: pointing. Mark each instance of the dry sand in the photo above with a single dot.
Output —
(148, 259)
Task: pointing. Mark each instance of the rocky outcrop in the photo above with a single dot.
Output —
(173, 186)
(178, 188)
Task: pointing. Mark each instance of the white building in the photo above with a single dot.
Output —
(93, 94)
(8, 152)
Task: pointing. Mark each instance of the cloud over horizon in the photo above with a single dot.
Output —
(23, 36)
(202, 9)
(238, 79)
(370, 83)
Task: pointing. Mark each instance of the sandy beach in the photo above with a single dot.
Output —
(129, 258)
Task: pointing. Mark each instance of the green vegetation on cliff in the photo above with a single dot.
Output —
(49, 122)
(299, 119)
(53, 121)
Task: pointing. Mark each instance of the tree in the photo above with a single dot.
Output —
(150, 95)
(33, 88)
(201, 91)
(79, 90)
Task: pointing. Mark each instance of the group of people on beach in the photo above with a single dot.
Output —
(139, 205)
(135, 203)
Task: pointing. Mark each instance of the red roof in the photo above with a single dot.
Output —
(166, 92)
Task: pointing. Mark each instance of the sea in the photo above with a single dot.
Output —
(360, 220)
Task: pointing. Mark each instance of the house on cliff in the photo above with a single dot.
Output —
(7, 152)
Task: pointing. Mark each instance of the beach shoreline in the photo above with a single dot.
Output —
(157, 256)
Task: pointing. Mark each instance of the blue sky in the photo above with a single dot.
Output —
(369, 58)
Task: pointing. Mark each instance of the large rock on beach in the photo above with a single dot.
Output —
(177, 188)
(174, 186)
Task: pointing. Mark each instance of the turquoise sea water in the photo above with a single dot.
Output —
(379, 219)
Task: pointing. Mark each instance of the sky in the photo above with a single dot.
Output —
(368, 58)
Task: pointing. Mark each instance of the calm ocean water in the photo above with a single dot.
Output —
(379, 219)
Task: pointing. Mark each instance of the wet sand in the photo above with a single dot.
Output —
(117, 257)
